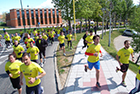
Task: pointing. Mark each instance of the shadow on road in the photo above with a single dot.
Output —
(3, 75)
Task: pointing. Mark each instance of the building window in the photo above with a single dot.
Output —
(41, 16)
(28, 18)
(37, 16)
(23, 17)
(32, 15)
(53, 16)
(49, 16)
(57, 12)
(45, 16)
(18, 17)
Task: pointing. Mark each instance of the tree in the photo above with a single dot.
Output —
(4, 16)
(135, 24)
(66, 7)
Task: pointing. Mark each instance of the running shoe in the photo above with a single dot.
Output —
(41, 65)
(123, 83)
(117, 69)
(85, 68)
(64, 54)
(98, 85)
(44, 60)
(71, 48)
(42, 89)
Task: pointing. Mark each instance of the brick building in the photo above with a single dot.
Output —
(33, 17)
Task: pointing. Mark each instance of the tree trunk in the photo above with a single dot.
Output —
(80, 26)
(97, 23)
(107, 25)
(86, 23)
(89, 23)
(69, 21)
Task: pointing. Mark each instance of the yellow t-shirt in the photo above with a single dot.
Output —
(0, 37)
(36, 37)
(45, 37)
(7, 37)
(35, 32)
(28, 41)
(58, 31)
(32, 52)
(52, 34)
(29, 31)
(17, 38)
(42, 29)
(18, 49)
(93, 49)
(138, 74)
(49, 34)
(38, 31)
(89, 39)
(69, 36)
(13, 68)
(21, 32)
(61, 39)
(13, 39)
(124, 55)
(31, 70)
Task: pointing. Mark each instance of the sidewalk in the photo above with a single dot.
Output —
(81, 82)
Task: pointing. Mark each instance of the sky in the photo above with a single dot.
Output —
(6, 5)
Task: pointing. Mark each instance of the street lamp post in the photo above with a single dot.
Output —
(110, 25)
(23, 15)
(103, 22)
(29, 17)
(74, 19)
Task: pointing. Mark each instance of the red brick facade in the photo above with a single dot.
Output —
(31, 18)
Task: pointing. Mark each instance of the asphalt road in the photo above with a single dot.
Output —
(48, 81)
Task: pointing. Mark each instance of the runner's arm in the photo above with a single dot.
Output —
(117, 57)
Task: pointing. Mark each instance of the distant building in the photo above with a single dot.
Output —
(33, 18)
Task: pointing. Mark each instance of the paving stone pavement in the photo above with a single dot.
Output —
(81, 82)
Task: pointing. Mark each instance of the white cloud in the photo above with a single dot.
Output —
(46, 4)
(136, 2)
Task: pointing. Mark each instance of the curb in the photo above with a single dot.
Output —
(57, 79)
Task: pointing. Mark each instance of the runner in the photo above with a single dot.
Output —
(123, 58)
(44, 36)
(7, 39)
(18, 50)
(58, 32)
(36, 37)
(35, 32)
(137, 83)
(28, 40)
(29, 31)
(89, 39)
(42, 44)
(12, 37)
(93, 59)
(16, 37)
(21, 33)
(61, 39)
(34, 51)
(30, 70)
(69, 38)
(84, 39)
(52, 34)
(12, 68)
(38, 31)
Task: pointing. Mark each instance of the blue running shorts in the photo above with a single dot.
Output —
(96, 65)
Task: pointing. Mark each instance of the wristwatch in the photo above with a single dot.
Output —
(35, 78)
